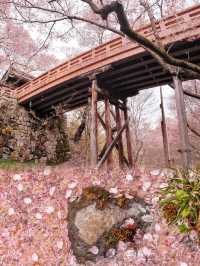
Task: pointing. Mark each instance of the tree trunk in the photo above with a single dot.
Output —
(81, 128)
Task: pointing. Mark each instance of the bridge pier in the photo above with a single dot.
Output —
(114, 137)
(94, 126)
(182, 122)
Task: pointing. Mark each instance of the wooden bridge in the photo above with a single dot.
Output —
(128, 68)
(113, 72)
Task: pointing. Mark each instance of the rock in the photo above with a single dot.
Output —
(100, 221)
(97, 217)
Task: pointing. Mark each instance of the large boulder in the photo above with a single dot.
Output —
(98, 220)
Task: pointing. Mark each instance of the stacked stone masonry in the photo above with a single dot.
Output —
(24, 136)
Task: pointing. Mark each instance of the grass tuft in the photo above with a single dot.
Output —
(180, 200)
(12, 165)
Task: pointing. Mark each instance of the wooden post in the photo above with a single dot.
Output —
(182, 121)
(120, 142)
(108, 131)
(111, 145)
(164, 131)
(93, 131)
(128, 137)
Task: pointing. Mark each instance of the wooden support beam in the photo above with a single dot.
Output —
(106, 94)
(117, 148)
(164, 131)
(113, 114)
(182, 122)
(120, 141)
(101, 120)
(93, 130)
(108, 131)
(112, 145)
(128, 138)
(102, 151)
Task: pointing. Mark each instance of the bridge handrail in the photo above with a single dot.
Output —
(165, 27)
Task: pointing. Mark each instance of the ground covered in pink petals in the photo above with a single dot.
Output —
(33, 219)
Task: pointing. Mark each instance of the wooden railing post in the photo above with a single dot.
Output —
(128, 137)
(93, 128)
(182, 122)
(108, 131)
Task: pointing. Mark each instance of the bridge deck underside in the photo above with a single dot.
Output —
(123, 79)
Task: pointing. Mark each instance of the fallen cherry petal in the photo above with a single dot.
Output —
(27, 201)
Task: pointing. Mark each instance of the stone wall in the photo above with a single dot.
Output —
(24, 136)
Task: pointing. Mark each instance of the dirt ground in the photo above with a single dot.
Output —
(33, 224)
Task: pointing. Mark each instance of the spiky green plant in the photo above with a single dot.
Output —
(180, 200)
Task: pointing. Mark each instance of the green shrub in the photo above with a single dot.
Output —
(180, 200)
(12, 165)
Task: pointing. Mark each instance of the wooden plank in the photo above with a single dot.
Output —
(128, 138)
(93, 130)
(108, 131)
(120, 141)
(164, 131)
(111, 146)
(62, 91)
(182, 122)
(65, 101)
(134, 67)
